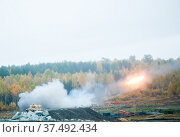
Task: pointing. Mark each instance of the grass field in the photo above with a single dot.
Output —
(170, 110)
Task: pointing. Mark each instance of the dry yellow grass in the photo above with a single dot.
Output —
(155, 117)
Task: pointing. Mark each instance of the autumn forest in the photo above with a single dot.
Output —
(17, 79)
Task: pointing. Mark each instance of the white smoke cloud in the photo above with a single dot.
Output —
(165, 68)
(53, 95)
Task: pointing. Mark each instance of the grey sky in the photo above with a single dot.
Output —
(85, 30)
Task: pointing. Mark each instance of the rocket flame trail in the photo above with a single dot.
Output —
(135, 80)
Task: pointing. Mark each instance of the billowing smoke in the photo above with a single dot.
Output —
(157, 70)
(53, 95)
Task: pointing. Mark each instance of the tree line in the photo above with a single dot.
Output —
(17, 79)
(103, 66)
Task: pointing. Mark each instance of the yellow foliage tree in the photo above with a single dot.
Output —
(14, 88)
(170, 89)
(12, 106)
(82, 78)
(2, 106)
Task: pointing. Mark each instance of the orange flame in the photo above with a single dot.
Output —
(135, 80)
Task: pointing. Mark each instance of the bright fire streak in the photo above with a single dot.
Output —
(135, 80)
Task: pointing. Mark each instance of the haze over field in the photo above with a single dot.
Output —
(93, 92)
(51, 30)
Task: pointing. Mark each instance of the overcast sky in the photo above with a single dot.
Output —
(37, 31)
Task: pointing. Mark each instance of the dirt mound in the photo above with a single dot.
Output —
(77, 114)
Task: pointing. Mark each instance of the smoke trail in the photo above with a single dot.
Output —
(53, 95)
